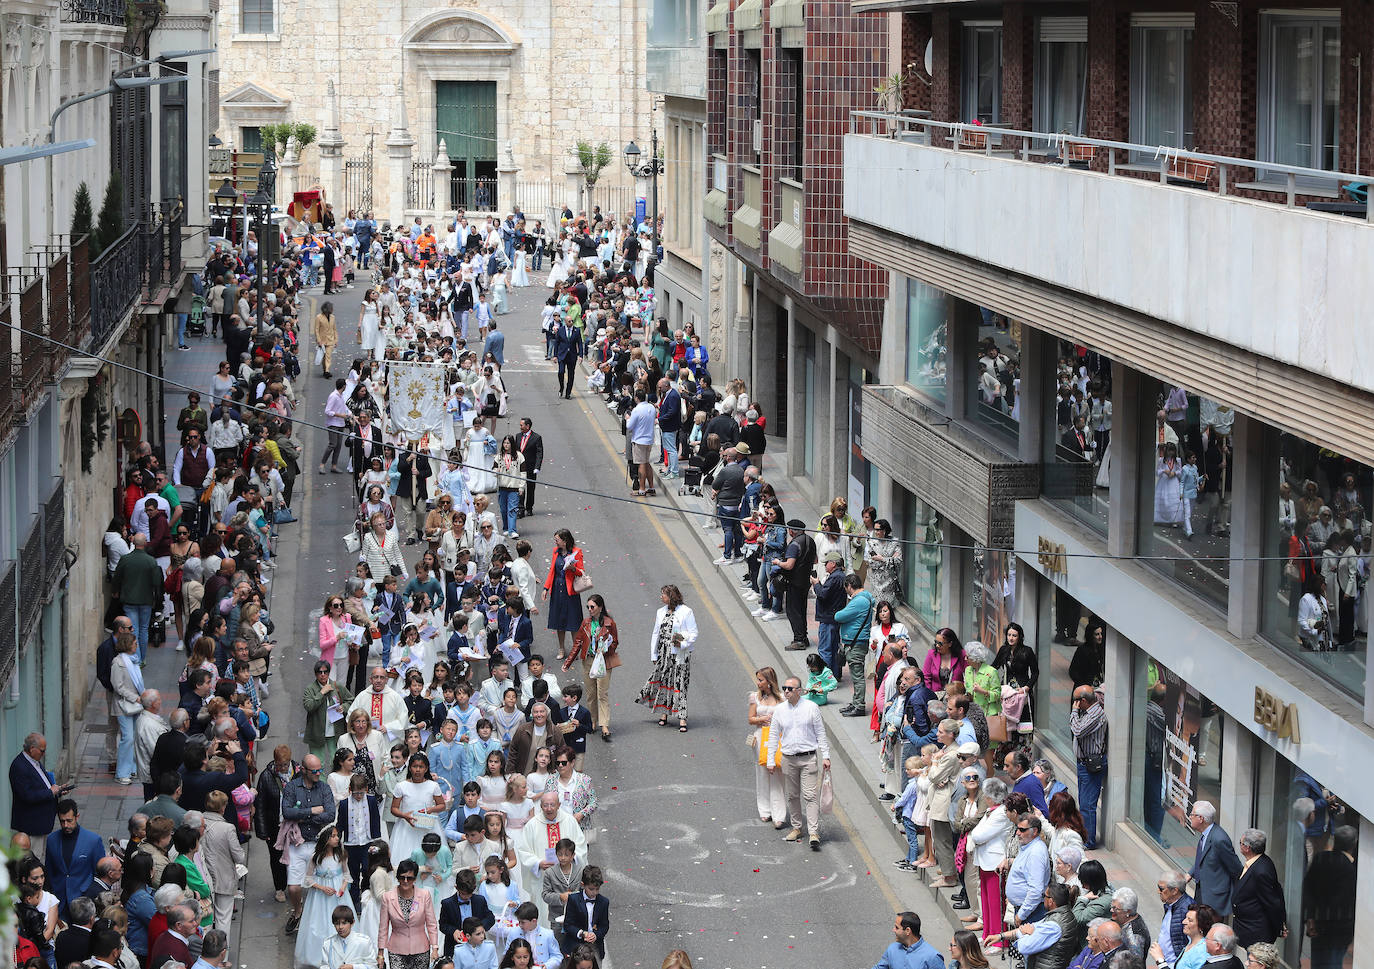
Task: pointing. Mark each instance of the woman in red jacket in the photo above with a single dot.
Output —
(565, 610)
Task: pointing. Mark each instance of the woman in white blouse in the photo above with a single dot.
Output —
(670, 649)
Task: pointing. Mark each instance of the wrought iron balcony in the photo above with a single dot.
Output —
(93, 12)
(31, 576)
(29, 369)
(55, 534)
(116, 283)
(9, 630)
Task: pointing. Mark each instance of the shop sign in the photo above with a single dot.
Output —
(1053, 557)
(1276, 715)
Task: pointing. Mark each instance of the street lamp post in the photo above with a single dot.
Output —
(650, 170)
(261, 206)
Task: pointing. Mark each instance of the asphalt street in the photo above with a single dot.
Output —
(687, 862)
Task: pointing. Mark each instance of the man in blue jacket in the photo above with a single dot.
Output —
(72, 852)
(34, 791)
(855, 619)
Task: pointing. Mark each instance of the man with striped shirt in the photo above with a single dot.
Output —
(1088, 724)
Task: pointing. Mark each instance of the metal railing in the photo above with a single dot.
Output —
(31, 576)
(94, 12)
(473, 194)
(420, 187)
(9, 628)
(54, 534)
(80, 327)
(116, 283)
(30, 368)
(59, 315)
(6, 383)
(1175, 165)
(175, 223)
(154, 255)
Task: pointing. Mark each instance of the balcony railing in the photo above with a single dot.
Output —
(55, 534)
(30, 368)
(94, 12)
(80, 323)
(116, 282)
(59, 315)
(9, 628)
(6, 384)
(31, 587)
(154, 256)
(1175, 166)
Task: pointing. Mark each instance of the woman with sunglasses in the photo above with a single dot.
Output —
(407, 929)
(332, 625)
(574, 788)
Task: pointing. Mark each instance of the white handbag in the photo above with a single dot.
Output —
(352, 542)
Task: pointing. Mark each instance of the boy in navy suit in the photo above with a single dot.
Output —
(359, 823)
(587, 918)
(580, 719)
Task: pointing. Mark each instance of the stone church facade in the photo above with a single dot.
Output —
(505, 89)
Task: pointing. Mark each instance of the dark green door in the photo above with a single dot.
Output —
(466, 119)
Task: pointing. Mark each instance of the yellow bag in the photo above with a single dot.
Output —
(763, 749)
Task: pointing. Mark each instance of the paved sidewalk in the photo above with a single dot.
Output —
(851, 739)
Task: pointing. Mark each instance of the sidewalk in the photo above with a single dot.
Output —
(850, 737)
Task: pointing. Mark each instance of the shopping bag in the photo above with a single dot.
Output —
(319, 356)
(352, 542)
(598, 667)
(827, 793)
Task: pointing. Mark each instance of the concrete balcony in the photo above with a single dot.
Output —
(717, 204)
(1279, 280)
(677, 71)
(788, 238)
(747, 222)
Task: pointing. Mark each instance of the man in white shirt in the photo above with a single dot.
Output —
(639, 427)
(541, 940)
(798, 731)
(138, 521)
(336, 411)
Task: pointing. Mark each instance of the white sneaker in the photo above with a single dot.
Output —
(769, 616)
(752, 596)
(760, 611)
(722, 560)
(181, 647)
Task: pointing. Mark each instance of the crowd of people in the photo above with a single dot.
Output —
(439, 811)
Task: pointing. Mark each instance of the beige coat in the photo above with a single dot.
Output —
(221, 850)
(941, 777)
(326, 330)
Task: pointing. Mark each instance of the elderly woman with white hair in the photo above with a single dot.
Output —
(1066, 861)
(986, 850)
(1135, 935)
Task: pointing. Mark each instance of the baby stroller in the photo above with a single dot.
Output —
(195, 323)
(691, 481)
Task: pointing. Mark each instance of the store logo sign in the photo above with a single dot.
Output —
(1276, 715)
(1053, 557)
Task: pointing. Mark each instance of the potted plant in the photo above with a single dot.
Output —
(973, 139)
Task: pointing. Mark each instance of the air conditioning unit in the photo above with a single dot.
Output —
(758, 136)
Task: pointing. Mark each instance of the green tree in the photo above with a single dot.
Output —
(110, 226)
(593, 159)
(82, 216)
(304, 134)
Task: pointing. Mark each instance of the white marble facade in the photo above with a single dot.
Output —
(563, 72)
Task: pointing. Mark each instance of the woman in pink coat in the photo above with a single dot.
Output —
(407, 930)
(332, 650)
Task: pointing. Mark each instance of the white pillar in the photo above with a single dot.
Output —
(290, 168)
(443, 168)
(398, 146)
(331, 146)
(506, 172)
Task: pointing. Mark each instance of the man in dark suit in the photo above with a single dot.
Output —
(196, 781)
(1215, 866)
(587, 918)
(173, 944)
(363, 445)
(35, 792)
(565, 352)
(170, 748)
(1221, 948)
(531, 447)
(461, 906)
(74, 944)
(1260, 912)
(109, 873)
(579, 716)
(1077, 440)
(327, 267)
(72, 854)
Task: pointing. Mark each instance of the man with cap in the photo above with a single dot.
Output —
(830, 598)
(797, 563)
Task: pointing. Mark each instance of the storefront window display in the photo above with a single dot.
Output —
(1078, 434)
(1185, 494)
(922, 565)
(927, 337)
(1317, 538)
(1176, 739)
(995, 382)
(1072, 646)
(1311, 834)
